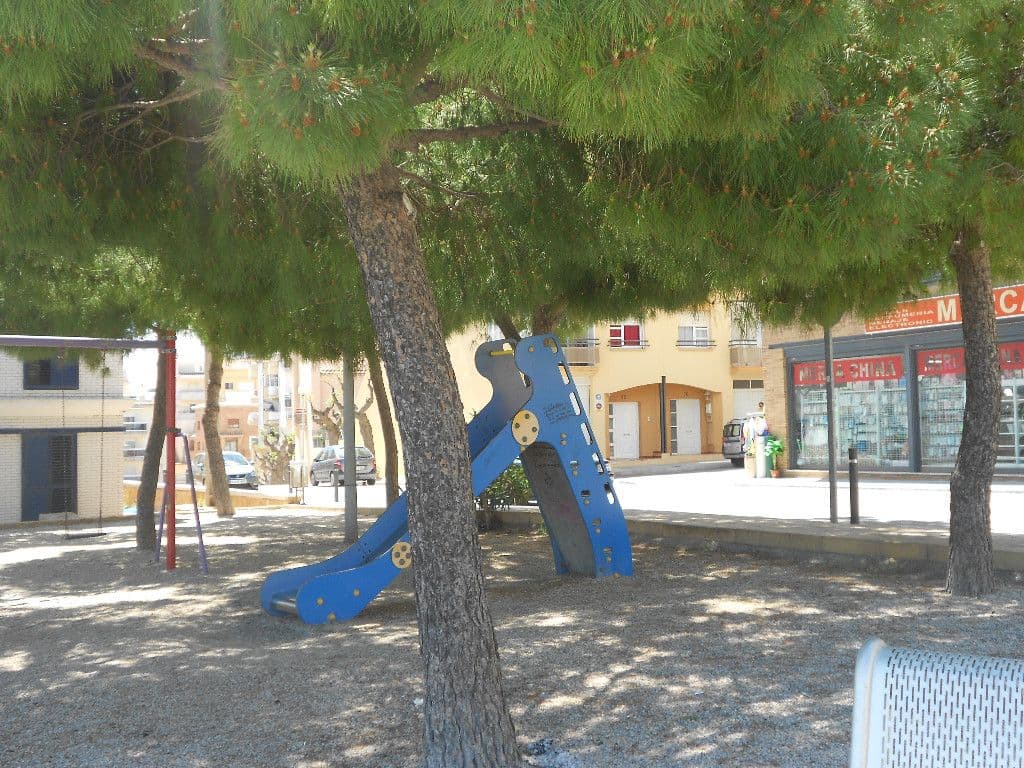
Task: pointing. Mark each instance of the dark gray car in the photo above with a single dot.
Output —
(329, 466)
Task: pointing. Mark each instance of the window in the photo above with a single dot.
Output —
(234, 424)
(231, 445)
(51, 374)
(694, 331)
(744, 327)
(229, 385)
(253, 443)
(628, 334)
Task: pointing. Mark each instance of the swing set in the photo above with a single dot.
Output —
(168, 357)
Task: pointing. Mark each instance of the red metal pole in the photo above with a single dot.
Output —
(170, 361)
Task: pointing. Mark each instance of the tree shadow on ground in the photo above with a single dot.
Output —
(702, 659)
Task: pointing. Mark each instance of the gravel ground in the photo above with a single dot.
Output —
(703, 659)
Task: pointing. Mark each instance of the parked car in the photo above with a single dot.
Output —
(239, 469)
(329, 466)
(732, 441)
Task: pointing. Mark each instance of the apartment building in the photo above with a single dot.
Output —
(61, 435)
(655, 389)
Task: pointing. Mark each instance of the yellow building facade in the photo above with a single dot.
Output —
(657, 388)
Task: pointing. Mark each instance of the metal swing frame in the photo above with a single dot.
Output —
(166, 344)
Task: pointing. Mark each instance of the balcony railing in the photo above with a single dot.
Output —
(628, 343)
(745, 353)
(581, 351)
(695, 343)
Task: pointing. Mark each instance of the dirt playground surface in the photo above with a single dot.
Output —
(702, 659)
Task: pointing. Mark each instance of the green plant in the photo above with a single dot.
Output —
(510, 487)
(773, 447)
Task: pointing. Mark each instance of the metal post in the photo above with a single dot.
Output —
(661, 419)
(854, 499)
(833, 504)
(195, 506)
(348, 386)
(334, 482)
(170, 361)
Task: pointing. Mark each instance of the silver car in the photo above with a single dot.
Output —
(239, 469)
(732, 442)
(329, 466)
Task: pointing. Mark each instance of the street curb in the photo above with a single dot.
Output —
(862, 546)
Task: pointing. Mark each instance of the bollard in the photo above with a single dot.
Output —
(854, 497)
(334, 481)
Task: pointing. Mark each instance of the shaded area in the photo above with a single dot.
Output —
(701, 660)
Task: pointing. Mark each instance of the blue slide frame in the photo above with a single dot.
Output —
(534, 414)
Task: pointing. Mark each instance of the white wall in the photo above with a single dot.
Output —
(91, 481)
(10, 478)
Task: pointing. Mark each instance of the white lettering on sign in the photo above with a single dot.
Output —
(947, 310)
(1006, 299)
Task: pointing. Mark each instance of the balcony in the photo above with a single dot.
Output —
(695, 343)
(581, 351)
(628, 343)
(745, 352)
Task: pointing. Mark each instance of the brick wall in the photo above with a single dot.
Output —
(775, 401)
(10, 478)
(94, 481)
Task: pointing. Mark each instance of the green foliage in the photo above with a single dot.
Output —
(510, 487)
(773, 448)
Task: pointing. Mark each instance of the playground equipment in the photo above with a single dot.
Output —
(534, 414)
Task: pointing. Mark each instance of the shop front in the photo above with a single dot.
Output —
(899, 399)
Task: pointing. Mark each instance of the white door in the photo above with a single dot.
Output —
(625, 428)
(744, 401)
(687, 426)
(583, 387)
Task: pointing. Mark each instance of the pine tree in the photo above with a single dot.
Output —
(337, 96)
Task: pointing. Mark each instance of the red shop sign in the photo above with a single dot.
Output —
(849, 370)
(940, 362)
(1008, 301)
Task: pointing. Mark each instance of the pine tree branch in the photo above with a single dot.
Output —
(173, 63)
(434, 185)
(500, 101)
(427, 135)
(428, 91)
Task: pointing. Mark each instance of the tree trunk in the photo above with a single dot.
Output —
(466, 720)
(387, 425)
(145, 522)
(218, 492)
(547, 317)
(507, 326)
(325, 418)
(970, 528)
(365, 427)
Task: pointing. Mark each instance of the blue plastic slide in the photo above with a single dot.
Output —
(534, 414)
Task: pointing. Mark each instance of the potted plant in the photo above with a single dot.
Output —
(773, 448)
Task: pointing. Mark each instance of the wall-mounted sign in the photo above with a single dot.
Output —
(940, 362)
(849, 370)
(943, 310)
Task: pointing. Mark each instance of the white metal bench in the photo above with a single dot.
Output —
(915, 709)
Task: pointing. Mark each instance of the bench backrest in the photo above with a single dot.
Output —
(915, 709)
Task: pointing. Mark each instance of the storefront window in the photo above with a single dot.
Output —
(943, 390)
(942, 387)
(1010, 444)
(871, 411)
